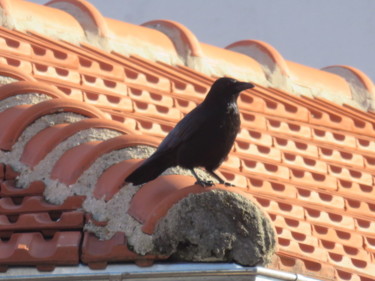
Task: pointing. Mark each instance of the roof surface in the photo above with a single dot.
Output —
(89, 88)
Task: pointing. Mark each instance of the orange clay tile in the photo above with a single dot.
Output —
(292, 224)
(235, 178)
(253, 121)
(284, 208)
(10, 173)
(350, 73)
(43, 222)
(262, 52)
(34, 204)
(61, 23)
(44, 70)
(8, 189)
(342, 157)
(50, 54)
(253, 136)
(157, 111)
(309, 164)
(52, 136)
(350, 189)
(150, 197)
(89, 62)
(122, 32)
(240, 63)
(98, 253)
(349, 238)
(79, 158)
(302, 147)
(367, 145)
(24, 249)
(288, 128)
(307, 239)
(137, 94)
(14, 46)
(157, 197)
(272, 188)
(360, 208)
(324, 181)
(112, 86)
(94, 20)
(281, 105)
(353, 252)
(271, 170)
(308, 76)
(173, 74)
(347, 174)
(314, 252)
(321, 199)
(370, 244)
(17, 64)
(113, 179)
(324, 218)
(7, 71)
(185, 42)
(244, 150)
(25, 87)
(25, 115)
(317, 269)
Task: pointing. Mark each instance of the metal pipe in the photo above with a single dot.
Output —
(159, 272)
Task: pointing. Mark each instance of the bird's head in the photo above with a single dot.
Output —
(227, 90)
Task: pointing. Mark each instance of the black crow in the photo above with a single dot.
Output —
(203, 138)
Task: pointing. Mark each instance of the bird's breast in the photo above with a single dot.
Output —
(231, 118)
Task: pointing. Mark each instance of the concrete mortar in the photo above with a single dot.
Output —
(216, 226)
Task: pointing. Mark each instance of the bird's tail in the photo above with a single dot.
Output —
(150, 169)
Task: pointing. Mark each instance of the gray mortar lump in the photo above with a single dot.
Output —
(216, 226)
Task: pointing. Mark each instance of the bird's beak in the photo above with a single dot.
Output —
(241, 86)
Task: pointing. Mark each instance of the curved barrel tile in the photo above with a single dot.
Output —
(85, 13)
(184, 40)
(362, 87)
(154, 192)
(266, 55)
(26, 87)
(33, 152)
(216, 61)
(9, 72)
(60, 23)
(130, 39)
(113, 179)
(24, 115)
(310, 81)
(76, 160)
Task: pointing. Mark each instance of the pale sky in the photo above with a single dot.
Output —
(317, 33)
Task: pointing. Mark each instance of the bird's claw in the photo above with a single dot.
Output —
(228, 184)
(205, 183)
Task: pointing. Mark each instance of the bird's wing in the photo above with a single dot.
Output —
(185, 129)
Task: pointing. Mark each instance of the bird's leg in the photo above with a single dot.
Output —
(221, 181)
(199, 181)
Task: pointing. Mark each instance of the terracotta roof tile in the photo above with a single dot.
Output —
(24, 249)
(304, 155)
(98, 253)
